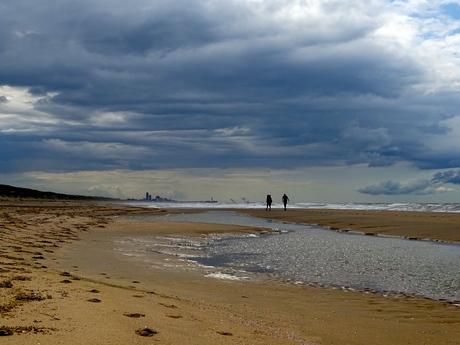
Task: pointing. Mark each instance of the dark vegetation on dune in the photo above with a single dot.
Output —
(26, 193)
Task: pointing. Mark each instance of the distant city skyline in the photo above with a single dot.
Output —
(148, 197)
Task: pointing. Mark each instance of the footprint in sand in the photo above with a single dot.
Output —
(146, 332)
(168, 305)
(134, 315)
(6, 284)
(4, 332)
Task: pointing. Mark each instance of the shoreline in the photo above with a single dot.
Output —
(40, 303)
(411, 225)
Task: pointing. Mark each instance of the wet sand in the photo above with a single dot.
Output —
(435, 226)
(62, 283)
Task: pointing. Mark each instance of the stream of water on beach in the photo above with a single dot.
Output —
(312, 255)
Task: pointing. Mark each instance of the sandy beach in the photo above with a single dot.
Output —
(62, 283)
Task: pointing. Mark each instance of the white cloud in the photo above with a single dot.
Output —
(107, 191)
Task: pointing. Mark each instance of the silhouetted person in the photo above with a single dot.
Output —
(285, 201)
(269, 203)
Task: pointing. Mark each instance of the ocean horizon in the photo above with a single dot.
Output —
(418, 207)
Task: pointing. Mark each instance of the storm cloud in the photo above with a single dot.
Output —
(416, 187)
(154, 85)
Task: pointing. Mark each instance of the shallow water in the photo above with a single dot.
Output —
(312, 255)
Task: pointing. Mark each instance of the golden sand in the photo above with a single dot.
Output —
(62, 283)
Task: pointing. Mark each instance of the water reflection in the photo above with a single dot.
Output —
(313, 255)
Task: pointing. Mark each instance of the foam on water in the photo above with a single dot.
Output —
(225, 276)
(431, 207)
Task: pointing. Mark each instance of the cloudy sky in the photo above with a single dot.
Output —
(325, 100)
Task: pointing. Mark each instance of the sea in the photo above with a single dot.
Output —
(311, 255)
(428, 207)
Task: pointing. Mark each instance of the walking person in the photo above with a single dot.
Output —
(285, 201)
(269, 203)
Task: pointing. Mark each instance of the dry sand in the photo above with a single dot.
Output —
(61, 283)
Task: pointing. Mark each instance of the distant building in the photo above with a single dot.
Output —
(148, 197)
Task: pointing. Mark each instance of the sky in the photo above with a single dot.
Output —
(324, 100)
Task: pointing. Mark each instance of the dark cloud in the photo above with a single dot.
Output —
(174, 84)
(415, 187)
(418, 187)
(164, 31)
(451, 176)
